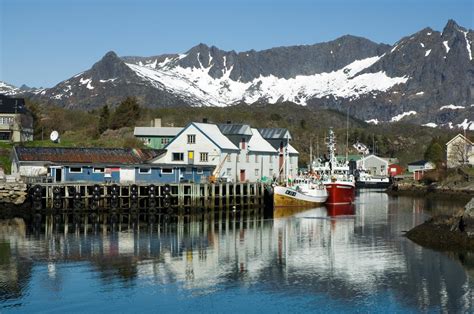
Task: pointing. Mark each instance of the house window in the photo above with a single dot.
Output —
(256, 158)
(203, 157)
(229, 158)
(270, 158)
(199, 171)
(191, 139)
(229, 171)
(98, 170)
(237, 158)
(167, 170)
(257, 172)
(165, 141)
(247, 158)
(178, 157)
(75, 170)
(243, 143)
(270, 172)
(144, 170)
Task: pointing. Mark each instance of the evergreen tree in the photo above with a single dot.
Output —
(434, 153)
(126, 114)
(104, 119)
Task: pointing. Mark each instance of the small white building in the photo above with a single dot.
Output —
(420, 165)
(376, 165)
(459, 151)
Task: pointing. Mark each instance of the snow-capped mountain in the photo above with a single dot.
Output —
(427, 77)
(8, 89)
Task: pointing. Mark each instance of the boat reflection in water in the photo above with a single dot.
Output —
(323, 259)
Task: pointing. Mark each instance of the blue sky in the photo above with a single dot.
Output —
(45, 42)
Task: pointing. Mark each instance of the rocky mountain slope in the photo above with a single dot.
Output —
(427, 78)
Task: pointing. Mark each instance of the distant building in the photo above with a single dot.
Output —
(16, 122)
(395, 170)
(376, 165)
(88, 164)
(420, 165)
(156, 136)
(459, 151)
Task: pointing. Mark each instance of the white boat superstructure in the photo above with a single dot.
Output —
(304, 191)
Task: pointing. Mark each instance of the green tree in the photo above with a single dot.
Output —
(104, 119)
(434, 152)
(126, 114)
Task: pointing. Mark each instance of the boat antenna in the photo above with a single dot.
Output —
(347, 134)
(310, 154)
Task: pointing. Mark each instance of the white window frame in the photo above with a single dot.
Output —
(98, 170)
(191, 138)
(172, 171)
(228, 171)
(148, 170)
(257, 172)
(70, 170)
(204, 154)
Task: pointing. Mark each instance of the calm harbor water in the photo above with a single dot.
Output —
(317, 260)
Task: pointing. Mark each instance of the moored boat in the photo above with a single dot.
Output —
(335, 175)
(366, 180)
(304, 192)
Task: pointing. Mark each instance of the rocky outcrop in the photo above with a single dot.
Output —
(448, 233)
(13, 193)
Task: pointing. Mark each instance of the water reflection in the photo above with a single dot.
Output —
(336, 258)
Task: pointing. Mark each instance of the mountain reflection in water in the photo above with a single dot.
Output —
(348, 258)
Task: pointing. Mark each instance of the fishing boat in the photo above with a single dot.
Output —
(303, 192)
(368, 181)
(335, 175)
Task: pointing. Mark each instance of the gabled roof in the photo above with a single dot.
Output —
(156, 131)
(12, 105)
(460, 136)
(75, 155)
(292, 150)
(212, 132)
(235, 129)
(258, 144)
(275, 133)
(385, 160)
(418, 163)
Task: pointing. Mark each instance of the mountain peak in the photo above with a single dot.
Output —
(451, 26)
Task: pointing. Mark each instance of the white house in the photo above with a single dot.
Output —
(375, 165)
(280, 139)
(459, 151)
(200, 144)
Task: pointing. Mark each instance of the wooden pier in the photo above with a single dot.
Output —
(150, 199)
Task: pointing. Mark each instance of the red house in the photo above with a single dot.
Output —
(395, 170)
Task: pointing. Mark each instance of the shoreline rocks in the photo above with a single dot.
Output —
(447, 233)
(13, 193)
(415, 188)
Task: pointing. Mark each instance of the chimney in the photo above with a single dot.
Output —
(204, 120)
(157, 123)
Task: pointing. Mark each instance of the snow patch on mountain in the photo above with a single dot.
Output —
(430, 124)
(468, 45)
(373, 121)
(427, 53)
(402, 115)
(445, 43)
(196, 83)
(451, 107)
(466, 125)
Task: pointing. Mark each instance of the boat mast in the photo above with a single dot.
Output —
(310, 154)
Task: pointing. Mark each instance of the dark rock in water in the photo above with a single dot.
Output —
(447, 233)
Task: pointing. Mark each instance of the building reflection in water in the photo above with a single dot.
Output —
(349, 254)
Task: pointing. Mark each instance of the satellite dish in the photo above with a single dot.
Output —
(54, 137)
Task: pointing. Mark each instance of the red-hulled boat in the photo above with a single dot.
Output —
(340, 209)
(335, 175)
